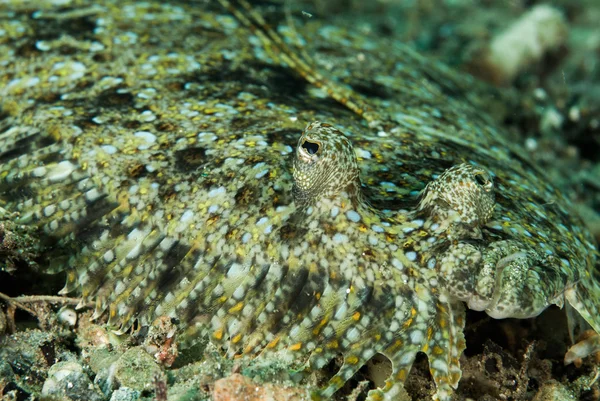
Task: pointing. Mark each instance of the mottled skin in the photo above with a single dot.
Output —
(162, 194)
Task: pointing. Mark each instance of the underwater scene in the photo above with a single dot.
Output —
(238, 200)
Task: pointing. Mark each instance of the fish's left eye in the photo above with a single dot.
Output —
(311, 147)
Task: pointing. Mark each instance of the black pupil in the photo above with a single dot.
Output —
(480, 179)
(311, 147)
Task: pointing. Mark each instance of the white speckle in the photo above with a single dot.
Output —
(246, 237)
(109, 149)
(431, 263)
(435, 226)
(408, 229)
(213, 208)
(340, 238)
(119, 288)
(186, 216)
(353, 334)
(39, 172)
(92, 195)
(109, 256)
(353, 216)
(215, 192)
(268, 229)
(238, 294)
(418, 222)
(262, 173)
(42, 45)
(439, 365)
(147, 116)
(397, 264)
(49, 210)
(98, 120)
(335, 211)
(411, 256)
(262, 221)
(531, 144)
(61, 171)
(416, 337)
(373, 240)
(207, 136)
(147, 136)
(377, 229)
(365, 154)
(147, 93)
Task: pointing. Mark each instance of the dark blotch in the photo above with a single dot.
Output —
(110, 98)
(245, 195)
(49, 353)
(190, 159)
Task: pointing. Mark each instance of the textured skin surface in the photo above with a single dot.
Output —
(167, 187)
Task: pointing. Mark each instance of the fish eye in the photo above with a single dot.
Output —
(311, 147)
(483, 180)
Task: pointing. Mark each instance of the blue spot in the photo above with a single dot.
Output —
(246, 237)
(353, 216)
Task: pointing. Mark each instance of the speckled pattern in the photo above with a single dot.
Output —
(177, 167)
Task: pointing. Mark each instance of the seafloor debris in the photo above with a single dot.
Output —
(237, 388)
(539, 31)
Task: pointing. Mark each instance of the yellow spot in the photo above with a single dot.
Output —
(333, 344)
(295, 347)
(236, 339)
(356, 316)
(407, 323)
(401, 375)
(425, 348)
(352, 360)
(238, 307)
(273, 342)
(429, 333)
(318, 296)
(222, 299)
(437, 350)
(376, 397)
(377, 337)
(218, 334)
(337, 381)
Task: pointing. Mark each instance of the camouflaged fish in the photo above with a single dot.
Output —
(179, 178)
